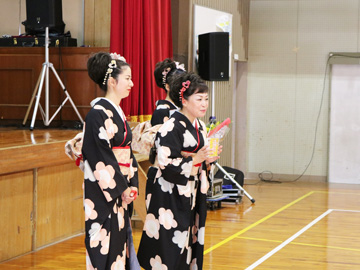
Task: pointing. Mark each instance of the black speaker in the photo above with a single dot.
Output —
(213, 62)
(41, 14)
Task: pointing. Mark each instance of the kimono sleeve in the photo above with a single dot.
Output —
(160, 116)
(174, 167)
(134, 180)
(99, 159)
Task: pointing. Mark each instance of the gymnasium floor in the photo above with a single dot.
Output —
(299, 225)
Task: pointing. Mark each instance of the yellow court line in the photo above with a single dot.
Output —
(223, 242)
(299, 244)
(260, 239)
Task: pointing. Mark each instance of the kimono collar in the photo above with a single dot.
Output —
(166, 101)
(117, 107)
(196, 124)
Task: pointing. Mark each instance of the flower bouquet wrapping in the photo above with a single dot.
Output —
(216, 133)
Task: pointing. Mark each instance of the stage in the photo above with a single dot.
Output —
(41, 197)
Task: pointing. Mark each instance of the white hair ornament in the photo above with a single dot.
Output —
(117, 57)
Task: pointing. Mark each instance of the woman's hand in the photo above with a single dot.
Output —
(201, 155)
(134, 192)
(187, 154)
(211, 159)
(125, 196)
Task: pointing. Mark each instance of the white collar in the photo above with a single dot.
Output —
(117, 107)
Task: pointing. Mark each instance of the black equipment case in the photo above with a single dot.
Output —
(30, 41)
(237, 175)
(229, 188)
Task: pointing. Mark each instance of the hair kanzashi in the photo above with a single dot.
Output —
(182, 86)
(102, 65)
(164, 70)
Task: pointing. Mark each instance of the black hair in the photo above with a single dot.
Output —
(197, 85)
(160, 67)
(98, 65)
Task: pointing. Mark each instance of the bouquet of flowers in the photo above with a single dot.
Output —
(216, 132)
(217, 129)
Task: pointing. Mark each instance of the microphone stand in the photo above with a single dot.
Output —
(213, 119)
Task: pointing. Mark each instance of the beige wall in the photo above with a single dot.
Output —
(289, 44)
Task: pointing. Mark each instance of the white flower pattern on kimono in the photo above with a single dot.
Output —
(165, 185)
(176, 161)
(180, 238)
(111, 128)
(97, 234)
(107, 196)
(152, 226)
(95, 228)
(89, 208)
(88, 173)
(201, 236)
(186, 169)
(188, 257)
(157, 143)
(156, 263)
(183, 123)
(167, 127)
(105, 243)
(107, 112)
(166, 218)
(162, 106)
(189, 140)
(204, 183)
(163, 156)
(103, 135)
(121, 219)
(185, 190)
(120, 262)
(193, 265)
(105, 175)
(147, 202)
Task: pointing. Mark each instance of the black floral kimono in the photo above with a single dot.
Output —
(164, 109)
(174, 229)
(109, 169)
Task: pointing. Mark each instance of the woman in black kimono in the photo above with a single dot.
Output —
(110, 169)
(163, 72)
(173, 234)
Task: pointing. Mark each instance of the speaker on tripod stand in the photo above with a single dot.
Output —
(37, 9)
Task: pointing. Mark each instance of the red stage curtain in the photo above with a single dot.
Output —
(141, 32)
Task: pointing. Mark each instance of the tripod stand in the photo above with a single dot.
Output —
(213, 118)
(38, 88)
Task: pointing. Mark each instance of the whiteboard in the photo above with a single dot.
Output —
(344, 141)
(211, 20)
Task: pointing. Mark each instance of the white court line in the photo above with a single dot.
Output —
(283, 244)
(344, 210)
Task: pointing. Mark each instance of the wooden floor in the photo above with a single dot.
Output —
(297, 225)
